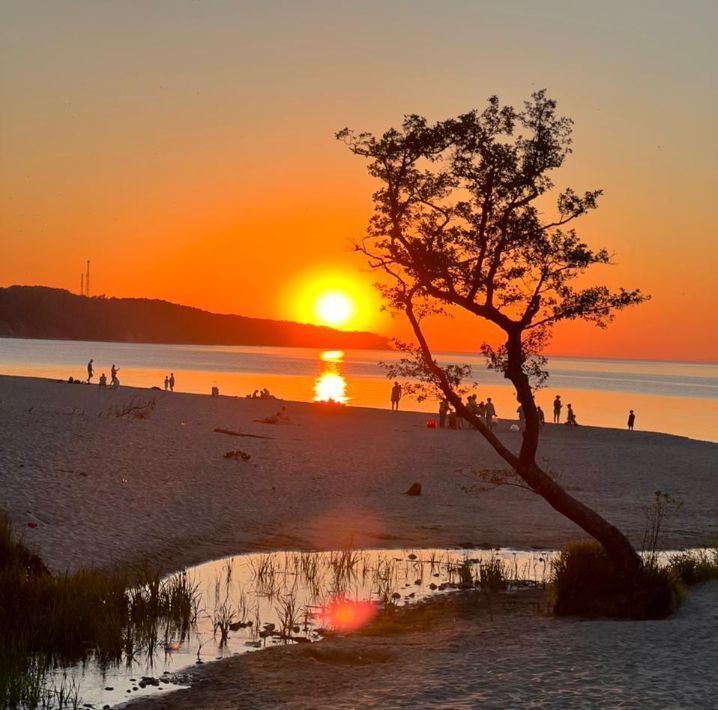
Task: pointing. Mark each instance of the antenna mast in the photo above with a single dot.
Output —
(82, 284)
(87, 279)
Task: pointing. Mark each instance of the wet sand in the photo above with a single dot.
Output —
(85, 487)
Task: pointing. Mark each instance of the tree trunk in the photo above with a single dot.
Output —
(616, 544)
(611, 538)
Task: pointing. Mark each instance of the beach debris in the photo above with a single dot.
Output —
(237, 625)
(229, 432)
(413, 490)
(136, 409)
(237, 455)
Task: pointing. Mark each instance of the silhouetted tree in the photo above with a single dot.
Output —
(459, 222)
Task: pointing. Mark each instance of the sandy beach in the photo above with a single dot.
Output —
(86, 487)
(104, 489)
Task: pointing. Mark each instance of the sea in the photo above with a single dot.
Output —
(678, 398)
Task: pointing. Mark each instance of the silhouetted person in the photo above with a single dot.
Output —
(631, 420)
(113, 374)
(490, 413)
(522, 419)
(103, 380)
(90, 370)
(172, 381)
(443, 411)
(481, 410)
(570, 416)
(453, 420)
(167, 382)
(471, 404)
(557, 406)
(541, 416)
(395, 396)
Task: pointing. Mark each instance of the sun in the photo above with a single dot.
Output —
(334, 308)
(333, 297)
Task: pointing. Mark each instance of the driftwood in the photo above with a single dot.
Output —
(229, 432)
(137, 409)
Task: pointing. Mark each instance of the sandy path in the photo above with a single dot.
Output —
(106, 490)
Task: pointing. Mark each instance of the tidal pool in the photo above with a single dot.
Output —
(250, 602)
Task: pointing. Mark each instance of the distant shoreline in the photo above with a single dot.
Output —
(43, 313)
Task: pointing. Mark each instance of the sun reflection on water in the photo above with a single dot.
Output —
(331, 385)
(332, 356)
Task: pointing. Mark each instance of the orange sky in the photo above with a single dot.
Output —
(187, 148)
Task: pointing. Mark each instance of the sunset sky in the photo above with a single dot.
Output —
(187, 148)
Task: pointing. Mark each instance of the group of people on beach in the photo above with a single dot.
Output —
(261, 394)
(114, 380)
(486, 411)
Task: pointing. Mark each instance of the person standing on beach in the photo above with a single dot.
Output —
(557, 406)
(167, 382)
(490, 413)
(541, 416)
(570, 416)
(90, 371)
(481, 410)
(522, 419)
(395, 397)
(443, 411)
(631, 420)
(172, 381)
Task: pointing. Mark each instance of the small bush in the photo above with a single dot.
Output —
(587, 583)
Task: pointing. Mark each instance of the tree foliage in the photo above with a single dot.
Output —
(459, 221)
(467, 216)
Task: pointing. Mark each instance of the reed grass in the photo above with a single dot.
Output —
(51, 619)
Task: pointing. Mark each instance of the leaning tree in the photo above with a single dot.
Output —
(460, 223)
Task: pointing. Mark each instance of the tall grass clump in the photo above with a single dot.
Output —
(492, 575)
(587, 583)
(47, 619)
(695, 567)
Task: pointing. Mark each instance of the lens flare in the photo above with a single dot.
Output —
(347, 616)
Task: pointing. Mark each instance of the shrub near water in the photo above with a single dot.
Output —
(587, 583)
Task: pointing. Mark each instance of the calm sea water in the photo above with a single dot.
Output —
(673, 397)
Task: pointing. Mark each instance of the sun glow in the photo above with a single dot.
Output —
(334, 298)
(334, 308)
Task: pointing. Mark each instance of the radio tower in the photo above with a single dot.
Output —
(82, 284)
(87, 279)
